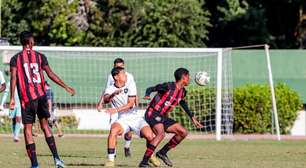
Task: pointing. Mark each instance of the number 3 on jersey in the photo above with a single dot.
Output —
(35, 72)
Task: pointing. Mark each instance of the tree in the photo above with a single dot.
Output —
(159, 23)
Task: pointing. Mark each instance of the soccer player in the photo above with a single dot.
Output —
(15, 114)
(168, 96)
(2, 82)
(119, 62)
(53, 121)
(123, 100)
(27, 74)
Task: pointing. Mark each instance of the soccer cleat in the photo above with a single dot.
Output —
(143, 165)
(165, 159)
(154, 161)
(127, 152)
(16, 139)
(59, 163)
(110, 163)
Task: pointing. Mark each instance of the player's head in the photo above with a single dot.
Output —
(119, 75)
(182, 74)
(27, 39)
(119, 62)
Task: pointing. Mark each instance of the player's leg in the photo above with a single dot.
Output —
(127, 143)
(59, 128)
(159, 132)
(147, 133)
(179, 134)
(116, 129)
(28, 118)
(17, 124)
(43, 115)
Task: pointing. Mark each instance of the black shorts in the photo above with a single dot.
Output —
(38, 106)
(156, 118)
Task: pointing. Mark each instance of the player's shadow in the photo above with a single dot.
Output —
(69, 156)
(93, 165)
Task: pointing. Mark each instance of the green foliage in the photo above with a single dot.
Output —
(252, 108)
(159, 23)
(68, 122)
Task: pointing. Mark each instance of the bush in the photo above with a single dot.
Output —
(252, 108)
(68, 122)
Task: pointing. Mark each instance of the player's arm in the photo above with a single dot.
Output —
(3, 85)
(13, 86)
(185, 107)
(57, 80)
(108, 97)
(160, 88)
(129, 105)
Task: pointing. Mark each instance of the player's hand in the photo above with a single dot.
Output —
(70, 90)
(112, 110)
(117, 92)
(99, 107)
(196, 123)
(12, 104)
(1, 108)
(147, 98)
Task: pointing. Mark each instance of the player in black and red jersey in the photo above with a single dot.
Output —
(27, 69)
(168, 96)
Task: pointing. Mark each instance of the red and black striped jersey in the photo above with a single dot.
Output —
(167, 97)
(30, 77)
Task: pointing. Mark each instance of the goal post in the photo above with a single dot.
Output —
(87, 69)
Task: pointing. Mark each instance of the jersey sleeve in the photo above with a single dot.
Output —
(108, 91)
(44, 60)
(2, 78)
(160, 88)
(132, 90)
(109, 82)
(13, 61)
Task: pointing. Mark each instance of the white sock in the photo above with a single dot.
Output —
(127, 143)
(111, 157)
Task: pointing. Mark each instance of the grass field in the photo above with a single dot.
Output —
(91, 152)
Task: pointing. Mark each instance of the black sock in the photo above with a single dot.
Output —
(51, 143)
(148, 153)
(171, 144)
(110, 150)
(31, 150)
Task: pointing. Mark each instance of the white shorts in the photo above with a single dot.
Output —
(132, 123)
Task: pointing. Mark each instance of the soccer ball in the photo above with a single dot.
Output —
(202, 78)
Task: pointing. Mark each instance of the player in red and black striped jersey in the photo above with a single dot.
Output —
(168, 96)
(27, 69)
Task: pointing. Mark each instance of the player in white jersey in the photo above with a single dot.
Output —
(122, 98)
(119, 62)
(15, 114)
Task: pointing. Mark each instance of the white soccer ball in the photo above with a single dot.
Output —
(202, 78)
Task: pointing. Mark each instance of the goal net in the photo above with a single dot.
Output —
(86, 69)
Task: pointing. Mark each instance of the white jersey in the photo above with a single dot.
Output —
(129, 90)
(2, 80)
(129, 80)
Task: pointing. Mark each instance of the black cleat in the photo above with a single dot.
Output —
(127, 152)
(143, 165)
(164, 158)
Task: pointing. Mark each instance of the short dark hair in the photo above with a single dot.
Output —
(25, 37)
(178, 74)
(116, 71)
(118, 60)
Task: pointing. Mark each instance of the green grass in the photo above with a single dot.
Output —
(91, 152)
